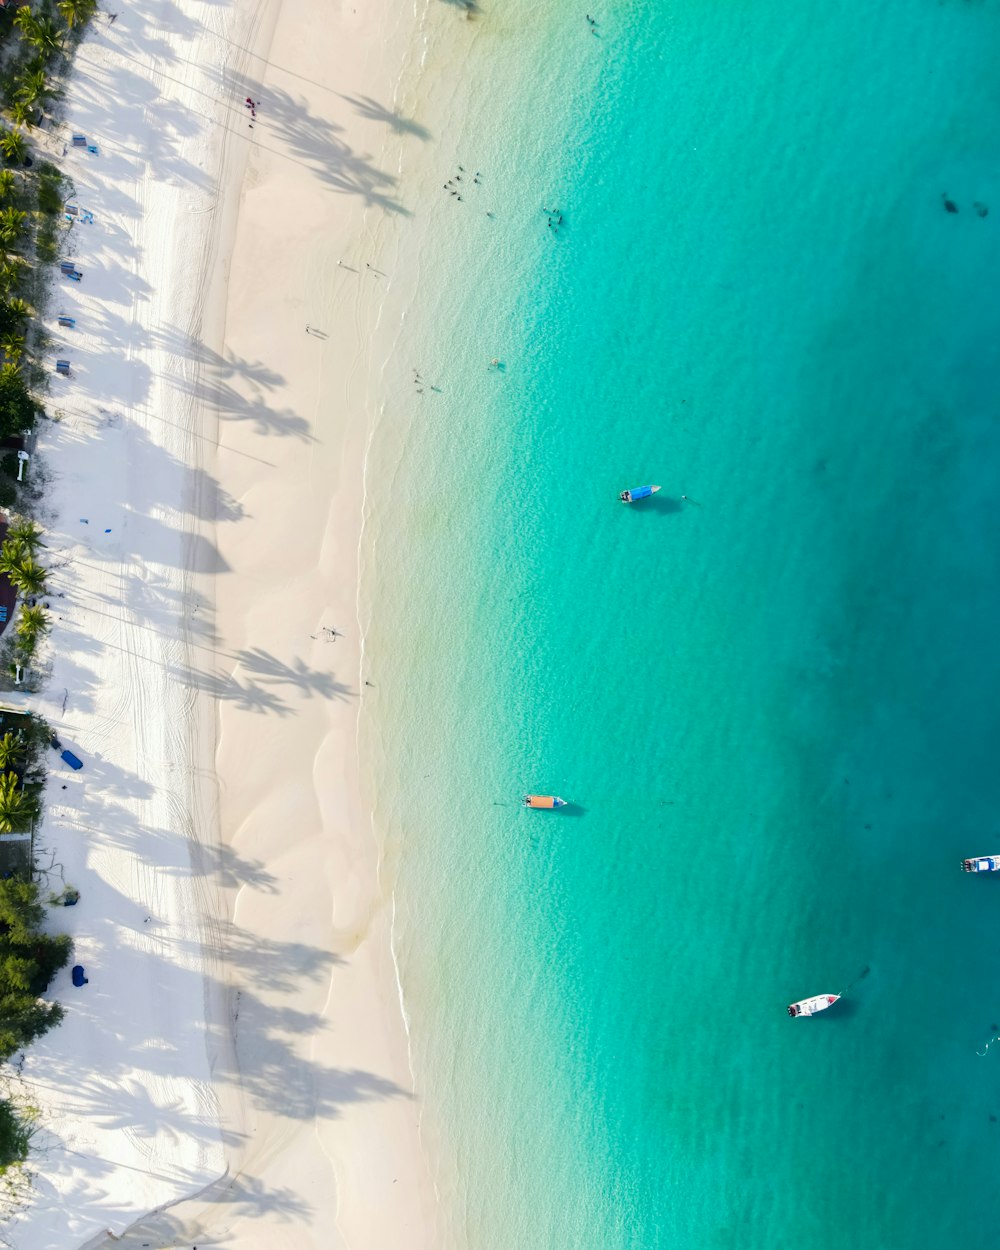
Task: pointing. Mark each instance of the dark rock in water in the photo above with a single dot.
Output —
(949, 205)
(981, 209)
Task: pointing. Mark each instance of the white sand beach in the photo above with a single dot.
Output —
(235, 1071)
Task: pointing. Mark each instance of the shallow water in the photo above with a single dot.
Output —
(773, 703)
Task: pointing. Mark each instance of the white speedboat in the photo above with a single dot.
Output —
(809, 1006)
(982, 863)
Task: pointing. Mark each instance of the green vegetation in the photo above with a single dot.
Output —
(40, 33)
(12, 750)
(32, 623)
(29, 957)
(23, 571)
(15, 1137)
(13, 145)
(26, 574)
(76, 12)
(18, 409)
(37, 40)
(50, 189)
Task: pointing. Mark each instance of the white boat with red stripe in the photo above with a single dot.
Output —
(809, 1006)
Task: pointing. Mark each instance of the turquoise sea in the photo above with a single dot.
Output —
(775, 703)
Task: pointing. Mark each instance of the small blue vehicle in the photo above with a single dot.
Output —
(72, 760)
(637, 493)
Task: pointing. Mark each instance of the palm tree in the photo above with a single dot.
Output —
(33, 86)
(10, 273)
(40, 33)
(13, 145)
(12, 554)
(12, 811)
(11, 224)
(9, 370)
(11, 748)
(19, 308)
(21, 112)
(27, 575)
(26, 535)
(75, 12)
(8, 183)
(33, 621)
(12, 344)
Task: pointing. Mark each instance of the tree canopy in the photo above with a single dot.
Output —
(18, 409)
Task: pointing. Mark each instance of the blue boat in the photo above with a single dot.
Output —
(982, 863)
(71, 760)
(637, 493)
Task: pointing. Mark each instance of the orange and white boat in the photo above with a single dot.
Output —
(543, 800)
(809, 1006)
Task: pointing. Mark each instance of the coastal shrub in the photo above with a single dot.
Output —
(29, 959)
(8, 493)
(36, 734)
(51, 952)
(17, 409)
(24, 648)
(23, 1018)
(50, 190)
(15, 1136)
(47, 241)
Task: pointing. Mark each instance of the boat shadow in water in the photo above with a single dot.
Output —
(571, 809)
(657, 503)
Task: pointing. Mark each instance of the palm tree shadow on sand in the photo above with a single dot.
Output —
(375, 112)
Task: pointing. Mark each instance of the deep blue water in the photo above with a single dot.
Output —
(775, 704)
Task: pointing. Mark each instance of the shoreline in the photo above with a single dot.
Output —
(290, 797)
